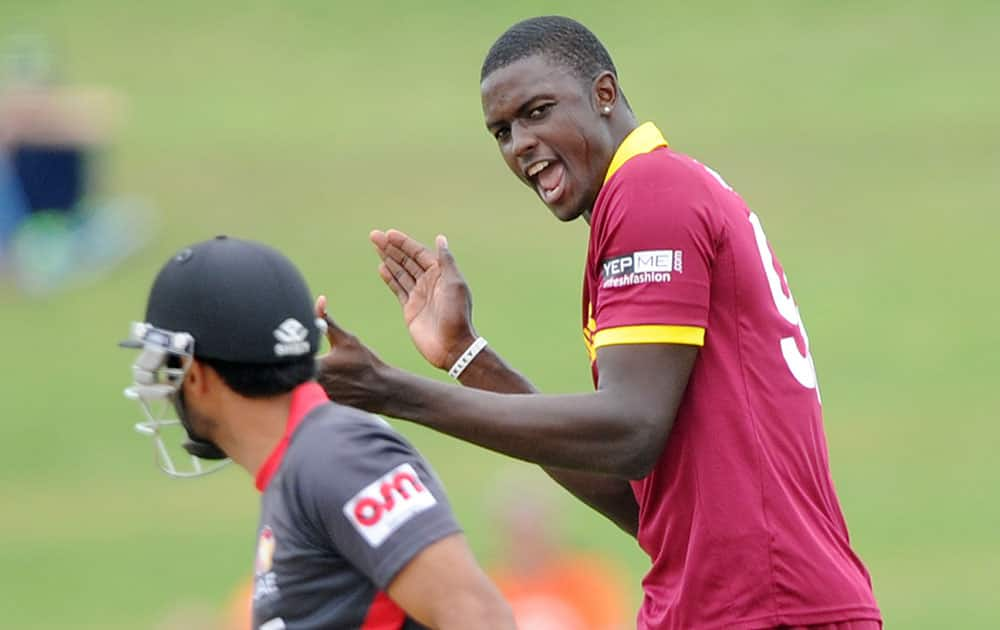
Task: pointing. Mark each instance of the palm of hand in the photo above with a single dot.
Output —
(437, 313)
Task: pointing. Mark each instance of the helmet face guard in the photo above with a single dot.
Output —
(157, 375)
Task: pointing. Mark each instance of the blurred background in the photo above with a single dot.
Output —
(866, 136)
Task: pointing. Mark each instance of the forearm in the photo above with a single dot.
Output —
(596, 432)
(443, 588)
(489, 372)
(465, 609)
(611, 496)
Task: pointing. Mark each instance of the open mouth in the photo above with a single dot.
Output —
(549, 177)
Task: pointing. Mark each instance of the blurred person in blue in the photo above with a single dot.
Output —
(54, 231)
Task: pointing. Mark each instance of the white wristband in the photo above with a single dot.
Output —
(467, 357)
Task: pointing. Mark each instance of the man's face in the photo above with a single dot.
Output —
(197, 424)
(547, 124)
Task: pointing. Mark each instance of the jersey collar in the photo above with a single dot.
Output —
(643, 139)
(305, 398)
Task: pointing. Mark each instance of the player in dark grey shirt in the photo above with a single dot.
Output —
(355, 529)
(350, 505)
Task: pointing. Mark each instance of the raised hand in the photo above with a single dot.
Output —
(436, 301)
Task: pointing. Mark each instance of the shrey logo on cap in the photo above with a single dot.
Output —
(292, 338)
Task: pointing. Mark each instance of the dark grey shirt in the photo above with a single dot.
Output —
(350, 505)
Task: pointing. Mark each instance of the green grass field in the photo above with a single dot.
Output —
(866, 137)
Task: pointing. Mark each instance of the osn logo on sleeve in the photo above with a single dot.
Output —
(652, 265)
(382, 506)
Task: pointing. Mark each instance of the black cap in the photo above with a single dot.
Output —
(242, 302)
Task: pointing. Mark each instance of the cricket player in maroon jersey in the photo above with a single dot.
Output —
(704, 437)
(355, 529)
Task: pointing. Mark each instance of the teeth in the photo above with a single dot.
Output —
(537, 168)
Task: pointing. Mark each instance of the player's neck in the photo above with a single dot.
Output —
(252, 429)
(622, 123)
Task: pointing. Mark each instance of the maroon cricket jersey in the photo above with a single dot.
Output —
(346, 504)
(739, 516)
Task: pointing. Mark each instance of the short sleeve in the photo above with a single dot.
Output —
(654, 249)
(369, 491)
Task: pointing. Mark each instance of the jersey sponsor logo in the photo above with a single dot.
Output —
(381, 507)
(651, 265)
(292, 338)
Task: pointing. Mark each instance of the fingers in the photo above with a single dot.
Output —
(378, 238)
(443, 253)
(410, 247)
(321, 307)
(405, 260)
(394, 286)
(334, 333)
(410, 264)
(408, 253)
(389, 271)
(400, 274)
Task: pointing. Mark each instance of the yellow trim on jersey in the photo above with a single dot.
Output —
(643, 139)
(591, 350)
(588, 333)
(686, 335)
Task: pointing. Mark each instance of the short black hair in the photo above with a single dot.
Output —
(263, 380)
(559, 38)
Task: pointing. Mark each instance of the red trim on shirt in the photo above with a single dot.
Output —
(383, 614)
(305, 398)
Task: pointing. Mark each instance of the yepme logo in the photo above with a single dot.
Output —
(382, 506)
(651, 265)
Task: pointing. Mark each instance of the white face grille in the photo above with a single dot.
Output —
(157, 374)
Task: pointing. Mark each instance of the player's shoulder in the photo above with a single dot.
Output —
(660, 167)
(341, 430)
(335, 447)
(660, 187)
(661, 179)
(332, 415)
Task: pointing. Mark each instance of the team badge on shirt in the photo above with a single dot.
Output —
(651, 265)
(265, 551)
(381, 507)
(265, 582)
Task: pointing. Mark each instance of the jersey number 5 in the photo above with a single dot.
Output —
(800, 365)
